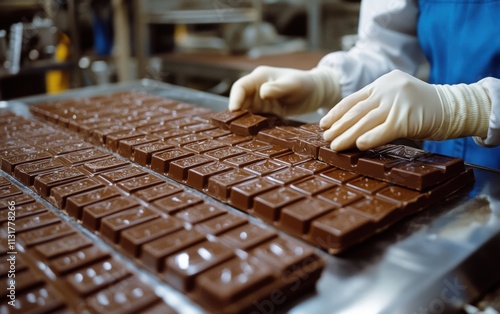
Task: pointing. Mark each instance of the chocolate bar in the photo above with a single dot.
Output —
(142, 153)
(27, 173)
(243, 194)
(248, 125)
(198, 176)
(81, 157)
(92, 214)
(219, 186)
(254, 145)
(244, 123)
(132, 239)
(59, 194)
(204, 146)
(44, 183)
(178, 169)
(75, 204)
(9, 163)
(104, 165)
(224, 118)
(160, 162)
(397, 164)
(68, 148)
(122, 174)
(177, 202)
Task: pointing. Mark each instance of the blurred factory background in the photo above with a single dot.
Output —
(48, 46)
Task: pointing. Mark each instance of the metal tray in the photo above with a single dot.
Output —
(436, 261)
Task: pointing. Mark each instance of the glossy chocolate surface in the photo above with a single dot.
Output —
(398, 164)
(224, 118)
(248, 125)
(219, 258)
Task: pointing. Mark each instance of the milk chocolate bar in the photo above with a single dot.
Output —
(75, 204)
(160, 162)
(104, 165)
(9, 163)
(198, 176)
(244, 123)
(248, 125)
(68, 148)
(81, 157)
(254, 145)
(122, 174)
(26, 173)
(44, 183)
(142, 153)
(233, 139)
(59, 194)
(133, 239)
(18, 199)
(9, 191)
(224, 118)
(397, 164)
(92, 214)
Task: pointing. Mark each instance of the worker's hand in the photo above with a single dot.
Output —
(398, 105)
(285, 91)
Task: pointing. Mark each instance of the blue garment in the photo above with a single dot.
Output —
(103, 34)
(461, 39)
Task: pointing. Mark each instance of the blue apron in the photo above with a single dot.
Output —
(461, 39)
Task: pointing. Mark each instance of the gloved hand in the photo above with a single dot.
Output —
(284, 91)
(398, 105)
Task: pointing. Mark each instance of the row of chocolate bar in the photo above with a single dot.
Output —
(398, 164)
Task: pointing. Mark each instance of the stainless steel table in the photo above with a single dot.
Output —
(436, 261)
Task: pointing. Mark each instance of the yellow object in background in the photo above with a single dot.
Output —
(57, 81)
(180, 34)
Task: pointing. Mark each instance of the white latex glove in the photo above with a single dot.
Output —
(398, 105)
(284, 91)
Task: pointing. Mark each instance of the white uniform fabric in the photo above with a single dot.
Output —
(387, 40)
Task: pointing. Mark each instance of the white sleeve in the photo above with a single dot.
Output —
(387, 40)
(492, 87)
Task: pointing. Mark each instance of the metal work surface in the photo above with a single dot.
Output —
(436, 261)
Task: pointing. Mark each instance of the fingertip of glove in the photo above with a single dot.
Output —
(233, 107)
(363, 146)
(335, 146)
(327, 121)
(341, 143)
(323, 124)
(331, 134)
(366, 143)
(327, 136)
